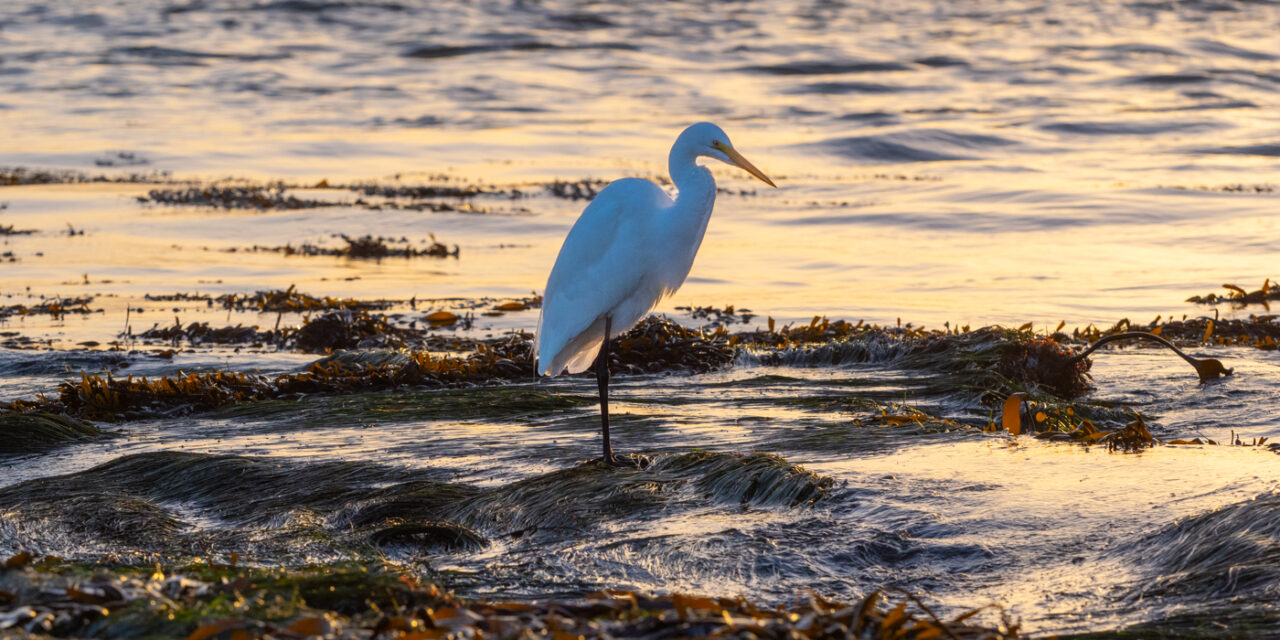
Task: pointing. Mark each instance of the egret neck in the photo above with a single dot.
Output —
(685, 222)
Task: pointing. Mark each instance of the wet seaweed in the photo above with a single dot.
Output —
(291, 300)
(593, 493)
(719, 317)
(33, 432)
(56, 307)
(1238, 297)
(1231, 553)
(109, 398)
(348, 329)
(1258, 331)
(657, 344)
(9, 230)
(576, 189)
(235, 197)
(1207, 369)
(992, 361)
(14, 176)
(417, 192)
(201, 333)
(367, 247)
(379, 600)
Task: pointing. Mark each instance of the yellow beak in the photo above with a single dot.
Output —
(746, 165)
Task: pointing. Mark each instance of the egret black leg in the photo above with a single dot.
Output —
(602, 377)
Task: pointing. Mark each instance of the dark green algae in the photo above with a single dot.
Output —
(164, 504)
(22, 433)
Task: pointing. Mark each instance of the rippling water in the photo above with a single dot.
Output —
(962, 162)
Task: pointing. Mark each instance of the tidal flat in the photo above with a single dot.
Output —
(270, 272)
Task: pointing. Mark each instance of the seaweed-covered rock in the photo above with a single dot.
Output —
(991, 361)
(657, 344)
(593, 492)
(348, 329)
(38, 431)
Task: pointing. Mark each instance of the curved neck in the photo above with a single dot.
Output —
(694, 184)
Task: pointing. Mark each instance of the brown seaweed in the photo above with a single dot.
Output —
(350, 601)
(367, 246)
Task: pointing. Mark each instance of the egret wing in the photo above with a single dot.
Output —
(602, 263)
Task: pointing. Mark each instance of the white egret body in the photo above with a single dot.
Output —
(630, 248)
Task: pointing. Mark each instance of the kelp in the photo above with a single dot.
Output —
(657, 344)
(347, 329)
(15, 176)
(56, 307)
(380, 600)
(1059, 422)
(575, 189)
(1208, 369)
(291, 301)
(363, 247)
(9, 230)
(990, 362)
(109, 398)
(279, 300)
(259, 197)
(715, 316)
(818, 330)
(1258, 331)
(201, 333)
(1239, 297)
(416, 192)
(1134, 436)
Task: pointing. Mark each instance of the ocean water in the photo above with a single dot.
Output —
(968, 163)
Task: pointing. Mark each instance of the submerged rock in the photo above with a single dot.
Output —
(992, 361)
(348, 329)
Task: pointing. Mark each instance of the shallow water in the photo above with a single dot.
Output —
(971, 163)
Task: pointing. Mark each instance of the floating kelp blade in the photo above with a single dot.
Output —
(1011, 415)
(1207, 368)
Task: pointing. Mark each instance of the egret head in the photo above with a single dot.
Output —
(706, 139)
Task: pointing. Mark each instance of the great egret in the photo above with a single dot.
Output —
(630, 248)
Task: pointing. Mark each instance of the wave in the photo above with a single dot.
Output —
(814, 68)
(1132, 127)
(430, 52)
(919, 145)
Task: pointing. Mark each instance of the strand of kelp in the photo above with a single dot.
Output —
(991, 360)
